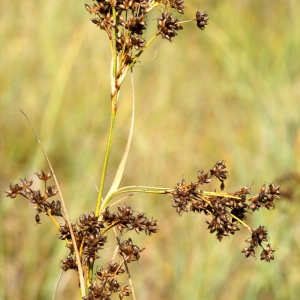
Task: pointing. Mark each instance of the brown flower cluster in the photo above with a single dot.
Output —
(90, 232)
(168, 25)
(201, 19)
(104, 291)
(106, 276)
(129, 251)
(36, 197)
(108, 284)
(124, 220)
(127, 219)
(126, 22)
(258, 236)
(266, 197)
(88, 236)
(227, 211)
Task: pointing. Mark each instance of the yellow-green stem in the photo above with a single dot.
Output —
(243, 223)
(107, 152)
(54, 221)
(114, 44)
(131, 189)
(114, 102)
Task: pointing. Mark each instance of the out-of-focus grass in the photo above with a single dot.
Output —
(229, 92)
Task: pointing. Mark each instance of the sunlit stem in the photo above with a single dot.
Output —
(114, 103)
(54, 221)
(223, 195)
(186, 21)
(109, 227)
(119, 267)
(132, 189)
(152, 6)
(240, 221)
(114, 44)
(107, 152)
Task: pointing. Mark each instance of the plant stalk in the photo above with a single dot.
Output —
(107, 152)
(114, 106)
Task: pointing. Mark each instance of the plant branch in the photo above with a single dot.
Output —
(80, 272)
(107, 154)
(131, 189)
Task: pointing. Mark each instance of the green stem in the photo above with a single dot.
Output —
(114, 44)
(107, 152)
(114, 105)
(155, 190)
(132, 189)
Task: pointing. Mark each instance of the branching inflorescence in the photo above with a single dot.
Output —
(90, 234)
(125, 22)
(227, 211)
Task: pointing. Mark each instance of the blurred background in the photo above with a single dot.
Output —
(230, 92)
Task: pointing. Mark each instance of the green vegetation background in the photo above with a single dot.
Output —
(230, 92)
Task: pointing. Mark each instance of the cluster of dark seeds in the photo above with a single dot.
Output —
(90, 233)
(227, 211)
(201, 19)
(125, 21)
(129, 251)
(127, 219)
(124, 219)
(178, 5)
(104, 290)
(108, 284)
(36, 197)
(106, 276)
(258, 236)
(168, 25)
(88, 236)
(265, 197)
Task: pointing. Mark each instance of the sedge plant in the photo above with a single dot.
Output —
(125, 22)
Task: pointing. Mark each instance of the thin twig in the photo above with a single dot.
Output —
(122, 199)
(128, 275)
(81, 279)
(126, 267)
(117, 247)
(95, 185)
(57, 284)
